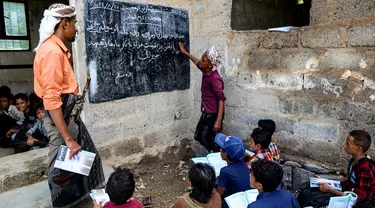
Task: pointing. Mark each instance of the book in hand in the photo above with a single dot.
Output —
(347, 201)
(214, 159)
(333, 184)
(81, 163)
(242, 199)
(100, 196)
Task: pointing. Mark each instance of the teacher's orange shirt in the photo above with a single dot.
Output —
(53, 73)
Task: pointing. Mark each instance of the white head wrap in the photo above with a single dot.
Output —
(215, 58)
(51, 17)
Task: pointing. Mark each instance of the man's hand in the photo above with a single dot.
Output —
(325, 188)
(96, 205)
(182, 48)
(73, 146)
(31, 140)
(217, 126)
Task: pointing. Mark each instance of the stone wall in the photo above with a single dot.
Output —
(316, 82)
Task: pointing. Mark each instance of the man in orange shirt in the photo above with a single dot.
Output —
(55, 83)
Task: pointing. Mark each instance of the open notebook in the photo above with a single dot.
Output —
(214, 159)
(347, 201)
(242, 199)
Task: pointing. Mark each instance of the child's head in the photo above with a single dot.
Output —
(267, 125)
(210, 61)
(265, 175)
(5, 100)
(5, 89)
(22, 102)
(40, 112)
(357, 142)
(202, 180)
(120, 186)
(259, 140)
(231, 148)
(35, 100)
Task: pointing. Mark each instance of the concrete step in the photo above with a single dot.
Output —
(38, 195)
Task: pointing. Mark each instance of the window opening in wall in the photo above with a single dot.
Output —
(14, 28)
(264, 14)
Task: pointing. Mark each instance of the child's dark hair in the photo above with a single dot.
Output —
(362, 139)
(267, 125)
(5, 90)
(120, 186)
(202, 178)
(39, 107)
(261, 137)
(268, 173)
(4, 94)
(21, 96)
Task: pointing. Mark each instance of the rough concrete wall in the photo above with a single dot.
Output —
(21, 80)
(316, 82)
(130, 129)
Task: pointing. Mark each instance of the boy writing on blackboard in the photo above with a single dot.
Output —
(213, 98)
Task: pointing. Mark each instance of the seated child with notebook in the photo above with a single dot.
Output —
(258, 143)
(265, 177)
(120, 188)
(269, 126)
(361, 173)
(202, 181)
(234, 177)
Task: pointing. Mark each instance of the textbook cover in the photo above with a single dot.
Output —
(333, 184)
(347, 201)
(81, 163)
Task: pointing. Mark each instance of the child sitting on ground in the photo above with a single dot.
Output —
(202, 180)
(34, 138)
(234, 177)
(269, 126)
(266, 177)
(120, 189)
(22, 103)
(361, 173)
(258, 143)
(11, 119)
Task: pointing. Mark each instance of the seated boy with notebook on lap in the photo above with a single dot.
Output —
(234, 177)
(266, 177)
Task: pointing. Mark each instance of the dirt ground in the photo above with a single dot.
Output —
(164, 178)
(163, 181)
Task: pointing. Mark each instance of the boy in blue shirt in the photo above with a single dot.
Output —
(234, 177)
(265, 177)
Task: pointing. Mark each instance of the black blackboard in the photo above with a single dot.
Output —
(131, 49)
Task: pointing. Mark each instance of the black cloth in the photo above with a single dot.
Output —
(204, 133)
(6, 123)
(20, 141)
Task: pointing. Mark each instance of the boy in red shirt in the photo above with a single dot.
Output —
(120, 188)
